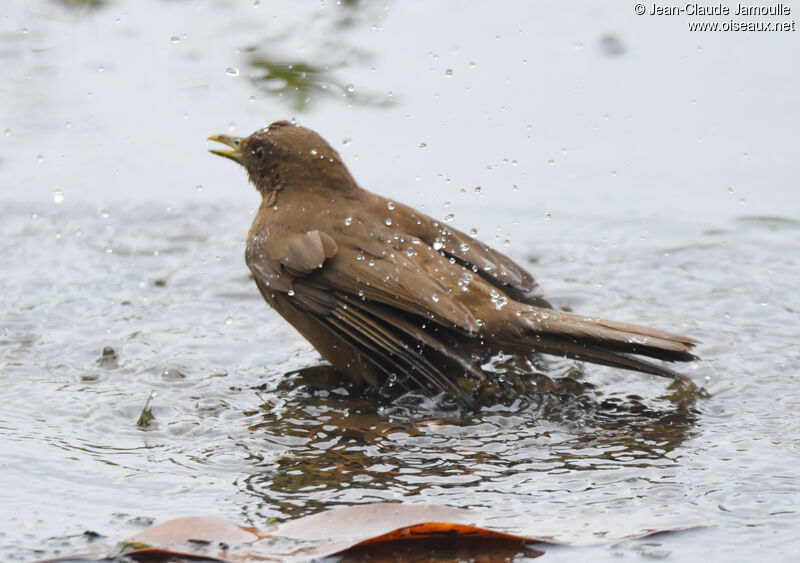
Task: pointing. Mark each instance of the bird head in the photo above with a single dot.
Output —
(283, 152)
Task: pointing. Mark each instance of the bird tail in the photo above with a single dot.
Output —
(604, 342)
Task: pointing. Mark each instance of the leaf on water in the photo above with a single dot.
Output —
(385, 527)
(108, 358)
(146, 418)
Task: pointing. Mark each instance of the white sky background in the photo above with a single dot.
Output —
(701, 125)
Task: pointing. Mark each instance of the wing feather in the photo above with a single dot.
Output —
(493, 266)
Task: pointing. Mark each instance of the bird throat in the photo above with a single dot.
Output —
(269, 185)
(270, 198)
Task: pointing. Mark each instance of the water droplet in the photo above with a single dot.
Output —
(257, 3)
(39, 158)
(175, 39)
(477, 189)
(449, 217)
(7, 132)
(410, 251)
(731, 189)
(346, 141)
(252, 99)
(350, 88)
(348, 221)
(387, 222)
(464, 281)
(473, 231)
(290, 293)
(472, 64)
(371, 262)
(232, 71)
(174, 374)
(506, 243)
(463, 246)
(435, 297)
(551, 162)
(423, 145)
(58, 195)
(437, 244)
(547, 216)
(499, 301)
(313, 152)
(199, 187)
(390, 205)
(448, 72)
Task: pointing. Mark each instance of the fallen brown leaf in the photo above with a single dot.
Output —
(381, 526)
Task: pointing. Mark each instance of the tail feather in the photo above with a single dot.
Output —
(597, 355)
(606, 342)
(611, 335)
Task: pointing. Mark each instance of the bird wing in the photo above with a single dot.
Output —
(362, 296)
(276, 262)
(419, 283)
(491, 265)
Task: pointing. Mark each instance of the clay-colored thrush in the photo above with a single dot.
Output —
(384, 291)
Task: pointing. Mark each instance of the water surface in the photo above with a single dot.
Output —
(652, 182)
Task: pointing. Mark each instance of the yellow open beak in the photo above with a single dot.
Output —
(233, 142)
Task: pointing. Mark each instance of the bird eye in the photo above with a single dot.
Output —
(259, 152)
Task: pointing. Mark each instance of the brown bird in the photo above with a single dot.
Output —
(385, 292)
